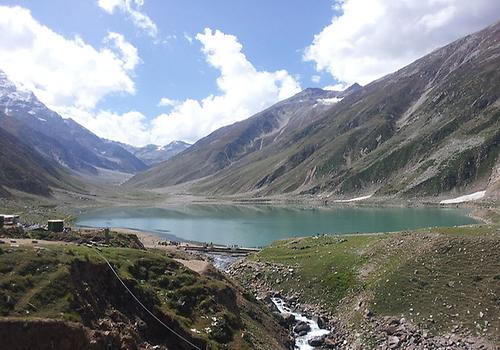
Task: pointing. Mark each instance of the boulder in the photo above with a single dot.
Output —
(302, 327)
(320, 321)
(330, 343)
(287, 320)
(393, 342)
(317, 341)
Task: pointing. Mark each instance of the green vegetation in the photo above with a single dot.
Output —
(94, 236)
(454, 284)
(36, 210)
(440, 278)
(23, 168)
(326, 267)
(74, 283)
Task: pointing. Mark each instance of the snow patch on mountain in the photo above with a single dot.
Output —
(467, 198)
(329, 101)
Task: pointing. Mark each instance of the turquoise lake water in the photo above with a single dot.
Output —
(259, 225)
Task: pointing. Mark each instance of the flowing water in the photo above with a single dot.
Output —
(301, 343)
(259, 225)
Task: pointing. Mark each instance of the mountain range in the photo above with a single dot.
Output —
(24, 169)
(59, 139)
(430, 128)
(40, 149)
(230, 144)
(153, 154)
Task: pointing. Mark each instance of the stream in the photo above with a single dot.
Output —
(223, 261)
(301, 343)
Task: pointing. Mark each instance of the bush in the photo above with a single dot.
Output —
(222, 331)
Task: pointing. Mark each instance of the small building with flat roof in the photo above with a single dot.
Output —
(9, 220)
(55, 225)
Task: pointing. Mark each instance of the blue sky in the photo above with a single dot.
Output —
(108, 63)
(175, 67)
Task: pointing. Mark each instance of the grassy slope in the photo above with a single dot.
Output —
(23, 168)
(72, 283)
(452, 274)
(89, 236)
(359, 145)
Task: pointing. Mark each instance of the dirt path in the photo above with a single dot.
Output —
(149, 241)
(28, 241)
(199, 266)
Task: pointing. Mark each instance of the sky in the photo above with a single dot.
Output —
(154, 71)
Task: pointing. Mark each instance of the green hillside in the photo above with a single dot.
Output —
(24, 169)
(441, 281)
(69, 295)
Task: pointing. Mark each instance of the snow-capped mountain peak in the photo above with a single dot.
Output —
(12, 95)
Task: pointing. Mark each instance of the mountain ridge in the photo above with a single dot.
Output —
(429, 128)
(59, 139)
(153, 154)
(23, 168)
(228, 144)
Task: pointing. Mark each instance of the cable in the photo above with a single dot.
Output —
(144, 307)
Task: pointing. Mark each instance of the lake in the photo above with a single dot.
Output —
(259, 225)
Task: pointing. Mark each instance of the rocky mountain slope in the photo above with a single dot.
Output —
(153, 154)
(23, 168)
(430, 128)
(231, 144)
(58, 139)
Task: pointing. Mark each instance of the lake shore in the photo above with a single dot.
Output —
(148, 239)
(479, 209)
(69, 206)
(260, 225)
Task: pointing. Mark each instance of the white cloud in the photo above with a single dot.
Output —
(167, 102)
(130, 127)
(133, 9)
(63, 72)
(188, 37)
(71, 77)
(129, 54)
(369, 39)
(316, 79)
(243, 92)
(336, 87)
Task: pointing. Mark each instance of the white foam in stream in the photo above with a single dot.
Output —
(301, 343)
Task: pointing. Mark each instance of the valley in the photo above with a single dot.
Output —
(372, 213)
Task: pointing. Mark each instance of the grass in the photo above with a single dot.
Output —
(326, 267)
(446, 286)
(90, 236)
(73, 283)
(439, 278)
(33, 209)
(27, 279)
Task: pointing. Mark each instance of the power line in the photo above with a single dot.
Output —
(144, 307)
